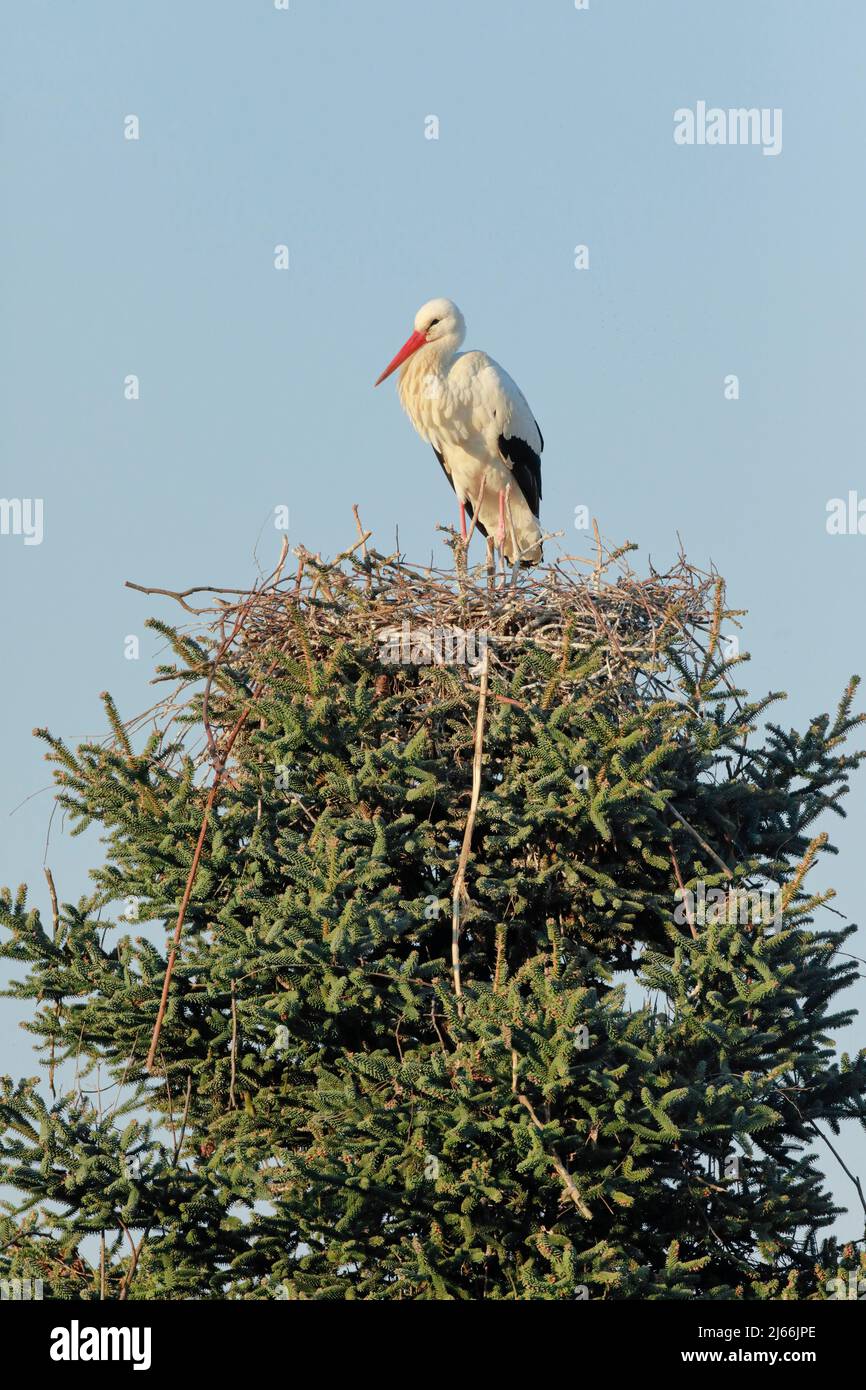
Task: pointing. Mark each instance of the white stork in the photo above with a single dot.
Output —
(481, 428)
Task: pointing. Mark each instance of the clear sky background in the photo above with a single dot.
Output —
(307, 127)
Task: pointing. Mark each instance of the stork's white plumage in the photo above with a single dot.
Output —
(480, 426)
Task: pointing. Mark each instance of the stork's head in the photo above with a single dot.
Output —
(438, 321)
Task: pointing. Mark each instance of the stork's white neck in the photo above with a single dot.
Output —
(423, 384)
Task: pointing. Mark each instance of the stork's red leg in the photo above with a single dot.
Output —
(500, 533)
(463, 520)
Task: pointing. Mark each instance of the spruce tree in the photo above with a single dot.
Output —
(504, 967)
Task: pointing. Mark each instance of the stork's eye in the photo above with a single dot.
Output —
(432, 324)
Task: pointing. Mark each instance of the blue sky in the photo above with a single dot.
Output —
(306, 127)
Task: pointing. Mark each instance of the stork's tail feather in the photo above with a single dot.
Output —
(530, 564)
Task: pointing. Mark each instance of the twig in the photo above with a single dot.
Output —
(841, 1162)
(459, 894)
(55, 932)
(55, 911)
(500, 953)
(516, 550)
(187, 893)
(477, 511)
(232, 1101)
(703, 844)
(562, 1171)
(364, 535)
(136, 1252)
(193, 869)
(181, 595)
(598, 566)
(676, 865)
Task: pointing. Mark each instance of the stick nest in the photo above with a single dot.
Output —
(408, 622)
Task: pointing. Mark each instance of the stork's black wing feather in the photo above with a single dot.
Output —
(525, 468)
(479, 525)
(441, 457)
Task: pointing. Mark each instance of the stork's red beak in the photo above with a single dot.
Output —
(411, 345)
